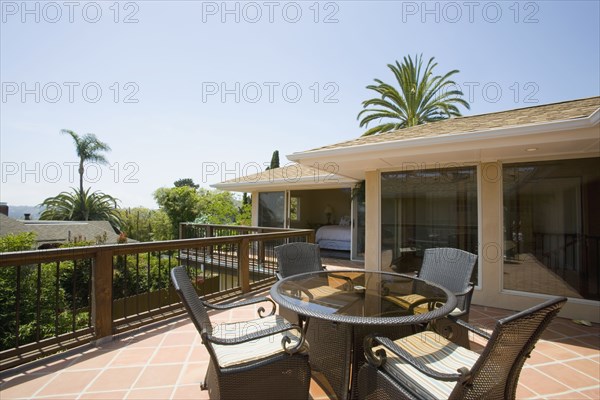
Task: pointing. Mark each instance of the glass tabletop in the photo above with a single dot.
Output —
(363, 297)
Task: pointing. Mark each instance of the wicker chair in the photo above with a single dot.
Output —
(427, 366)
(263, 358)
(297, 258)
(451, 268)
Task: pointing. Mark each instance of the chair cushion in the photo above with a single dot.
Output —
(406, 301)
(237, 354)
(438, 354)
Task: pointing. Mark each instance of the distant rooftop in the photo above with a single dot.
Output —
(59, 231)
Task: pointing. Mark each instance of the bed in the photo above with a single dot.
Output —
(334, 237)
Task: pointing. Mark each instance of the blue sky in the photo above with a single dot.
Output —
(208, 90)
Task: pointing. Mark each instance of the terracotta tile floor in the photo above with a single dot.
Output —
(168, 361)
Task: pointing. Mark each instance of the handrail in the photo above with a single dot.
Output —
(49, 255)
(230, 262)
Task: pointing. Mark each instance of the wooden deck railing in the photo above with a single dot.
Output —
(56, 299)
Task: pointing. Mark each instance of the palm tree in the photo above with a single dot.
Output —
(422, 97)
(88, 148)
(82, 206)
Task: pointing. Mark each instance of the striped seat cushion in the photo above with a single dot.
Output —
(406, 301)
(333, 298)
(237, 354)
(438, 354)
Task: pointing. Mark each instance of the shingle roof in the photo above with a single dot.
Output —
(10, 225)
(563, 111)
(291, 173)
(59, 231)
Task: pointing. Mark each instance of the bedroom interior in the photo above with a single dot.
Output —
(328, 212)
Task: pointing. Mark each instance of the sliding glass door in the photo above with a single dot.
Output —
(271, 209)
(552, 227)
(422, 209)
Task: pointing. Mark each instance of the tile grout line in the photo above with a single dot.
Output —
(555, 380)
(185, 365)
(104, 368)
(581, 372)
(536, 394)
(578, 391)
(557, 362)
(132, 385)
(59, 373)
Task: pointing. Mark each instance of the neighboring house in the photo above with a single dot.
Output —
(520, 188)
(51, 234)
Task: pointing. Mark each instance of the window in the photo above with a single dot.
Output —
(271, 209)
(552, 227)
(422, 209)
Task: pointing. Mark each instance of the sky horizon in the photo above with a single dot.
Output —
(208, 90)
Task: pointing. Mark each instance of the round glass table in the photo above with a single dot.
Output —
(339, 308)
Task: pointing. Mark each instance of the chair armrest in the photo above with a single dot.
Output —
(474, 329)
(242, 303)
(379, 358)
(265, 333)
(464, 300)
(278, 275)
(469, 290)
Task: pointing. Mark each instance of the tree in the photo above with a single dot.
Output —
(82, 206)
(244, 216)
(179, 203)
(88, 148)
(274, 160)
(136, 223)
(217, 207)
(421, 97)
(186, 182)
(161, 226)
(145, 225)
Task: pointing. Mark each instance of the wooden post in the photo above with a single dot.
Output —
(244, 265)
(310, 238)
(102, 294)
(209, 233)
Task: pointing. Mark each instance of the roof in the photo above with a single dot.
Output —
(562, 130)
(10, 225)
(294, 175)
(548, 113)
(59, 231)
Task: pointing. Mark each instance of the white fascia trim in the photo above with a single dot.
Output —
(453, 138)
(328, 181)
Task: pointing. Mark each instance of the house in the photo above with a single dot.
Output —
(51, 234)
(520, 188)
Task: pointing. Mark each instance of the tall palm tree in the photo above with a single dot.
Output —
(88, 148)
(82, 206)
(421, 97)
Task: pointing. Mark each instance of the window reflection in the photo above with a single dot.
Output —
(422, 209)
(552, 227)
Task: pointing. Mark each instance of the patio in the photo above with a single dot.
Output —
(167, 361)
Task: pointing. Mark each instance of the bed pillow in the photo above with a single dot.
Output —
(345, 220)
